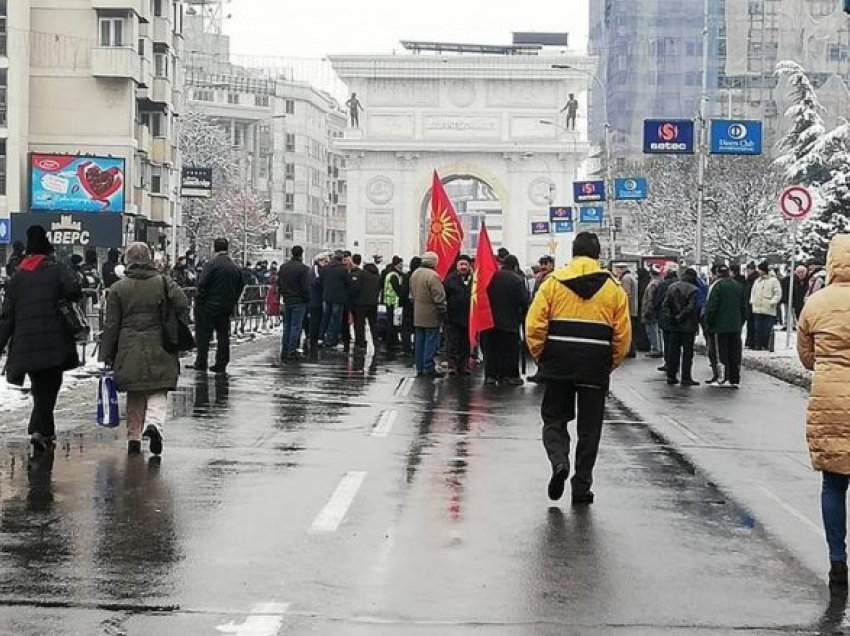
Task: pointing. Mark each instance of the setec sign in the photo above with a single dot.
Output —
(540, 227)
(588, 191)
(562, 213)
(668, 136)
(736, 137)
(630, 189)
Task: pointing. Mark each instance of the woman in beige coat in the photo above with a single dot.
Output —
(824, 346)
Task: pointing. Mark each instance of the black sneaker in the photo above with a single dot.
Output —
(662, 368)
(153, 434)
(556, 484)
(583, 498)
(134, 447)
(690, 382)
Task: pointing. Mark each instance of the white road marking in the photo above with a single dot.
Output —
(382, 563)
(385, 424)
(334, 512)
(265, 620)
(791, 510)
(406, 387)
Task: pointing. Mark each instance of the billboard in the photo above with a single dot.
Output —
(736, 137)
(71, 183)
(630, 189)
(540, 227)
(593, 214)
(588, 191)
(196, 182)
(72, 230)
(669, 136)
(561, 213)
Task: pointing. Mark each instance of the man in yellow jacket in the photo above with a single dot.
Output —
(578, 330)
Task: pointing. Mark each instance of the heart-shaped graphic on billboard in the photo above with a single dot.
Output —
(100, 184)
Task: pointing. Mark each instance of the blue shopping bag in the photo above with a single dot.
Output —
(107, 400)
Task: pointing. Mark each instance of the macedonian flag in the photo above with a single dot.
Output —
(480, 314)
(446, 234)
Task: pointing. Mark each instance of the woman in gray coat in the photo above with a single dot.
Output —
(132, 345)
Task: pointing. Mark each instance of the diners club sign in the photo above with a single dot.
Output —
(71, 183)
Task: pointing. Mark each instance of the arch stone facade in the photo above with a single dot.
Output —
(460, 115)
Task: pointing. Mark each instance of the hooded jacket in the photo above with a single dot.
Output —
(579, 325)
(823, 344)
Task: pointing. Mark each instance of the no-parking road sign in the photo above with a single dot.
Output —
(796, 203)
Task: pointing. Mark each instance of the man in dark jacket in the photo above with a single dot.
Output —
(682, 312)
(508, 297)
(671, 277)
(458, 297)
(336, 286)
(40, 343)
(751, 278)
(366, 305)
(293, 285)
(219, 289)
(108, 274)
(725, 315)
(316, 302)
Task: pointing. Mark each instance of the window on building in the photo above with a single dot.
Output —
(2, 166)
(2, 27)
(4, 98)
(290, 171)
(158, 8)
(261, 100)
(288, 233)
(112, 31)
(288, 201)
(233, 98)
(178, 17)
(290, 107)
(161, 59)
(154, 121)
(263, 167)
(290, 142)
(157, 180)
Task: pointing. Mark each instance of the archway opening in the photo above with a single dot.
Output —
(476, 203)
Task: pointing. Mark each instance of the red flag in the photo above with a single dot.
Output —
(446, 234)
(480, 314)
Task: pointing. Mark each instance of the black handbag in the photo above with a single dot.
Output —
(176, 334)
(75, 320)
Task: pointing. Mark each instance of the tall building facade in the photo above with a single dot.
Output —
(284, 132)
(100, 80)
(649, 64)
(758, 34)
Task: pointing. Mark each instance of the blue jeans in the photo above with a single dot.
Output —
(425, 349)
(332, 323)
(833, 505)
(763, 328)
(653, 333)
(293, 322)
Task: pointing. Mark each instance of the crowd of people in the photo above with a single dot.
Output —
(578, 323)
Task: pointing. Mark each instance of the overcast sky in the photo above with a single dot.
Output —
(314, 28)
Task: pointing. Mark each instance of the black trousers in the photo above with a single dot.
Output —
(45, 390)
(363, 315)
(730, 351)
(681, 355)
(391, 333)
(457, 346)
(711, 345)
(407, 328)
(501, 354)
(205, 325)
(315, 324)
(558, 410)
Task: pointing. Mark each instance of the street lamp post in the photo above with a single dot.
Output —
(609, 188)
(549, 122)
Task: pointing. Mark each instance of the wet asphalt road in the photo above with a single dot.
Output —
(345, 497)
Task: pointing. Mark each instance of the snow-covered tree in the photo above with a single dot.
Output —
(806, 114)
(234, 211)
(832, 212)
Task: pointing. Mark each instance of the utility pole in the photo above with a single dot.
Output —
(609, 195)
(703, 136)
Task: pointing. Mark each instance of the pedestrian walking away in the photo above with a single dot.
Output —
(429, 313)
(682, 314)
(219, 289)
(336, 287)
(367, 294)
(822, 343)
(725, 314)
(293, 283)
(132, 346)
(578, 330)
(508, 298)
(40, 344)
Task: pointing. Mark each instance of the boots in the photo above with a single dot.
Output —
(838, 576)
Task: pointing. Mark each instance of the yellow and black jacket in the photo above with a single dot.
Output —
(578, 328)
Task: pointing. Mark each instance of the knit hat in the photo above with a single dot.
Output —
(37, 241)
(430, 259)
(764, 267)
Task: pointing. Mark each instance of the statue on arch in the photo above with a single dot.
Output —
(572, 110)
(354, 108)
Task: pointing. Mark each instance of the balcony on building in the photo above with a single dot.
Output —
(161, 92)
(162, 151)
(142, 199)
(115, 61)
(144, 142)
(162, 30)
(160, 209)
(145, 77)
(139, 7)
